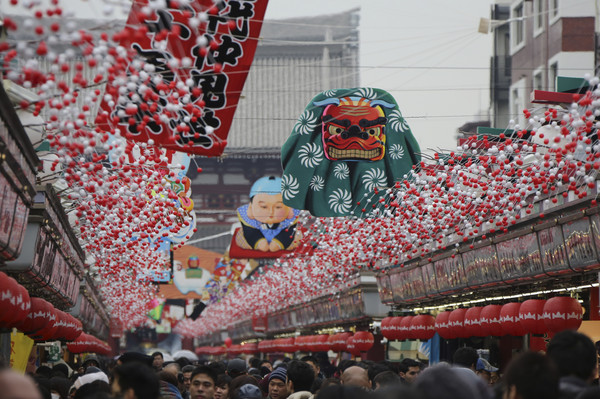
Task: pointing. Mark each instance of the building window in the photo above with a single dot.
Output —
(553, 9)
(516, 113)
(538, 15)
(553, 75)
(518, 25)
(538, 81)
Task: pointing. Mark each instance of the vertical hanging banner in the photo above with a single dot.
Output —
(179, 82)
(20, 348)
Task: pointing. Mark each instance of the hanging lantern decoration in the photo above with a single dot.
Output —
(351, 347)
(340, 342)
(456, 322)
(14, 301)
(303, 343)
(404, 328)
(288, 345)
(531, 314)
(472, 323)
(394, 328)
(442, 326)
(562, 313)
(363, 340)
(38, 317)
(321, 343)
(511, 322)
(385, 327)
(250, 348)
(422, 327)
(228, 342)
(491, 324)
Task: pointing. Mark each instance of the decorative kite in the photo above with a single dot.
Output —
(268, 225)
(347, 148)
(179, 73)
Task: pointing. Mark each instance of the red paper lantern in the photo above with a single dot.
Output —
(472, 322)
(38, 317)
(228, 342)
(422, 327)
(404, 328)
(491, 324)
(442, 326)
(363, 340)
(385, 327)
(340, 341)
(394, 328)
(351, 346)
(531, 315)
(321, 343)
(14, 302)
(302, 343)
(562, 313)
(511, 322)
(288, 345)
(456, 322)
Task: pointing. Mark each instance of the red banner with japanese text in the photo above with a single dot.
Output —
(179, 71)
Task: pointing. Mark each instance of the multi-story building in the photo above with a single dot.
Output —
(548, 38)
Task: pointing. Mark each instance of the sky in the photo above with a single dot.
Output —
(427, 54)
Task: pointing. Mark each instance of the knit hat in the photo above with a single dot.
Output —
(249, 391)
(280, 373)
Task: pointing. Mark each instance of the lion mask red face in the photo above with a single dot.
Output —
(353, 129)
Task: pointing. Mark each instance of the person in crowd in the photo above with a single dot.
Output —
(168, 385)
(157, 361)
(134, 380)
(94, 390)
(254, 362)
(277, 386)
(356, 376)
(484, 369)
(314, 363)
(60, 370)
(344, 364)
(577, 360)
(375, 369)
(186, 380)
(242, 380)
(386, 379)
(326, 368)
(129, 357)
(90, 360)
(531, 375)
(465, 357)
(91, 374)
(236, 367)
(445, 382)
(44, 371)
(409, 369)
(17, 386)
(267, 364)
(247, 391)
(222, 386)
(300, 377)
(171, 367)
(203, 384)
(59, 387)
(330, 381)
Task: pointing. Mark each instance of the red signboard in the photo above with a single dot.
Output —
(184, 71)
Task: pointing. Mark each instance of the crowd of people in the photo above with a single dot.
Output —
(567, 370)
